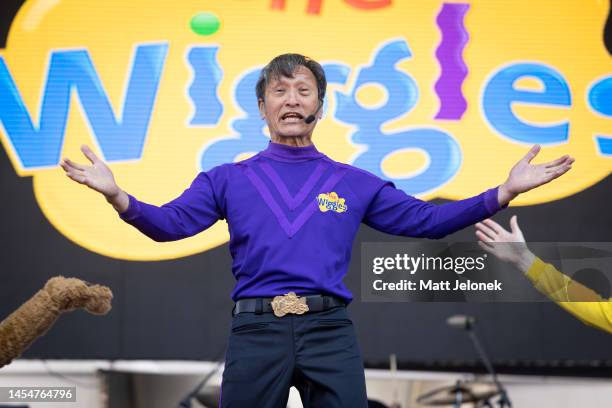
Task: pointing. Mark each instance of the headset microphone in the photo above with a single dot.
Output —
(311, 118)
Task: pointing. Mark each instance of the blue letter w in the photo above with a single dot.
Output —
(119, 139)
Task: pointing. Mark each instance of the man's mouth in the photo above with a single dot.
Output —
(291, 117)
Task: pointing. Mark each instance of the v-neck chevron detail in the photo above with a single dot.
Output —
(292, 227)
(293, 202)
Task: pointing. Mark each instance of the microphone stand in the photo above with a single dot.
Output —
(504, 400)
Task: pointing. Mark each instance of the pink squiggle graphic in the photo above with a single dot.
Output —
(449, 53)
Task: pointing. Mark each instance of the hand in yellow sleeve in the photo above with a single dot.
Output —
(580, 301)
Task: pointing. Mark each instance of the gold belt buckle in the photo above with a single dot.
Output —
(289, 303)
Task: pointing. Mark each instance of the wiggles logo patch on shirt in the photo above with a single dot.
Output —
(331, 202)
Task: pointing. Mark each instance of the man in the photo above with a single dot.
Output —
(576, 299)
(293, 214)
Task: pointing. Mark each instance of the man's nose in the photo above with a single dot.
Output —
(292, 99)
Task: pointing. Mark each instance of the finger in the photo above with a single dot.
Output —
(552, 169)
(72, 171)
(519, 237)
(89, 154)
(73, 164)
(557, 162)
(551, 175)
(532, 153)
(68, 168)
(65, 166)
(484, 238)
(562, 171)
(485, 243)
(494, 226)
(555, 169)
(564, 166)
(77, 173)
(484, 231)
(514, 224)
(567, 162)
(486, 246)
(78, 178)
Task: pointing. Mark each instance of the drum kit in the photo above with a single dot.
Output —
(478, 394)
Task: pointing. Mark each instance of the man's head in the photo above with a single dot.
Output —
(290, 88)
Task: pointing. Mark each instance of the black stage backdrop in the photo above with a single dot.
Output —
(180, 309)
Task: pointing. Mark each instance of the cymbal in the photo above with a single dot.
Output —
(470, 392)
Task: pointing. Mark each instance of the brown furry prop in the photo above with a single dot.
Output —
(35, 317)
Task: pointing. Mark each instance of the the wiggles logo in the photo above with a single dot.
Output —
(427, 94)
(331, 202)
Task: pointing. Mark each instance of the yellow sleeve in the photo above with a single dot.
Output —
(575, 298)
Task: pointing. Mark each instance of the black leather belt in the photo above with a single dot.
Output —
(316, 303)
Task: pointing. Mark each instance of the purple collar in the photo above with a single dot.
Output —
(286, 153)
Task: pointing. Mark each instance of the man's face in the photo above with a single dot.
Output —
(288, 101)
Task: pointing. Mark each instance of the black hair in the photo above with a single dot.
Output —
(284, 66)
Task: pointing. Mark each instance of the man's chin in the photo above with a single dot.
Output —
(293, 135)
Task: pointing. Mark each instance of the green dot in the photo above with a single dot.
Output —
(205, 23)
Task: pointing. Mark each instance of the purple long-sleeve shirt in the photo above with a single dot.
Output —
(293, 214)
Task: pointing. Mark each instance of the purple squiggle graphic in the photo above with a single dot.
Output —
(449, 53)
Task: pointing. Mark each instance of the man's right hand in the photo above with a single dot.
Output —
(98, 177)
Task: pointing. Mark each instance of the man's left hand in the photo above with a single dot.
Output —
(525, 176)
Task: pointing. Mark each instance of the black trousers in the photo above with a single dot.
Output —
(315, 352)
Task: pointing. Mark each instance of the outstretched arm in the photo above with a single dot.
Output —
(195, 210)
(576, 299)
(395, 212)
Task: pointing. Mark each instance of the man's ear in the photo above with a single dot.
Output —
(262, 110)
(320, 113)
